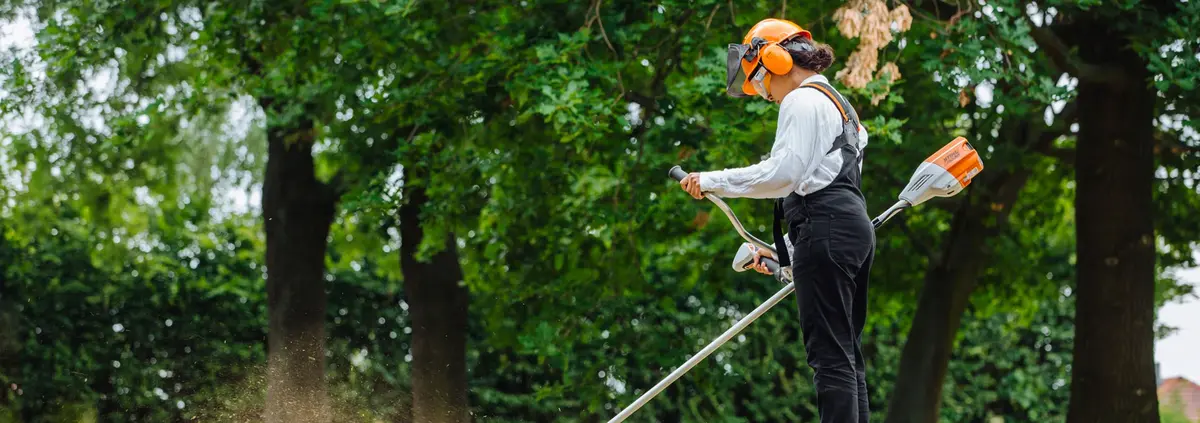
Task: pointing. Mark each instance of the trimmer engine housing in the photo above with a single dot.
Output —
(944, 173)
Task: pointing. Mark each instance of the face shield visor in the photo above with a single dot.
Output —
(738, 55)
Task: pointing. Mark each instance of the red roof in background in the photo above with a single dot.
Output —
(1182, 390)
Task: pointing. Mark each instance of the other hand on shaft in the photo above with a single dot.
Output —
(691, 184)
(757, 264)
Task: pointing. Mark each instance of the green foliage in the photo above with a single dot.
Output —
(541, 131)
(125, 338)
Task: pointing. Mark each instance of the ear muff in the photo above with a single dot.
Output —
(776, 59)
(773, 57)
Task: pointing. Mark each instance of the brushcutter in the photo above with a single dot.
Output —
(943, 174)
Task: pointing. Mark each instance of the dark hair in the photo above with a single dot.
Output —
(809, 55)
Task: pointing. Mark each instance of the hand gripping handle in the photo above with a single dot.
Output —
(677, 173)
(772, 265)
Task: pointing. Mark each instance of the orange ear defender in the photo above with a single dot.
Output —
(775, 58)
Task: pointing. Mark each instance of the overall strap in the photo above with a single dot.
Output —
(848, 113)
(850, 125)
(849, 116)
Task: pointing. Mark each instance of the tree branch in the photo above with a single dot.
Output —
(930, 10)
(1060, 54)
(604, 33)
(945, 19)
(711, 15)
(1163, 146)
(1042, 138)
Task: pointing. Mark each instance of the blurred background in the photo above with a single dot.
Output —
(415, 211)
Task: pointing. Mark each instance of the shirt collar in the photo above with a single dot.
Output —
(815, 78)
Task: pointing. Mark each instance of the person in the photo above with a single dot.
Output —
(813, 172)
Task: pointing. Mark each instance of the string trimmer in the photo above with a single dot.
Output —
(943, 174)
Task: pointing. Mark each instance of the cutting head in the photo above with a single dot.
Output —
(943, 174)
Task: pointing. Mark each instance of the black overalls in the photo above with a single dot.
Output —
(834, 243)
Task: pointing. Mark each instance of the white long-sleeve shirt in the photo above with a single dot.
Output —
(808, 124)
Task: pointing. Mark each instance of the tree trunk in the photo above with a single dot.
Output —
(1112, 370)
(298, 211)
(951, 278)
(10, 350)
(438, 312)
(948, 284)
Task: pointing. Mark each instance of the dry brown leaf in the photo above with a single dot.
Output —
(871, 22)
(891, 70)
(902, 17)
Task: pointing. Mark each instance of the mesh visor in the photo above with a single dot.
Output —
(734, 75)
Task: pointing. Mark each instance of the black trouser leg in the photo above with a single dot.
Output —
(826, 268)
(861, 282)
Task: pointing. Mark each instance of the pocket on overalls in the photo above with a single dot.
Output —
(850, 242)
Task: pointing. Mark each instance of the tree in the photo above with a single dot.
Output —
(521, 149)
(1019, 43)
(297, 212)
(439, 319)
(1113, 366)
(297, 65)
(1115, 205)
(10, 339)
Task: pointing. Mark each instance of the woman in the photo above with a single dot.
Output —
(814, 171)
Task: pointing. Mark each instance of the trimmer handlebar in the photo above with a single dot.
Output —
(677, 173)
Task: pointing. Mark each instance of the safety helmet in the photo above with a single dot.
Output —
(759, 52)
